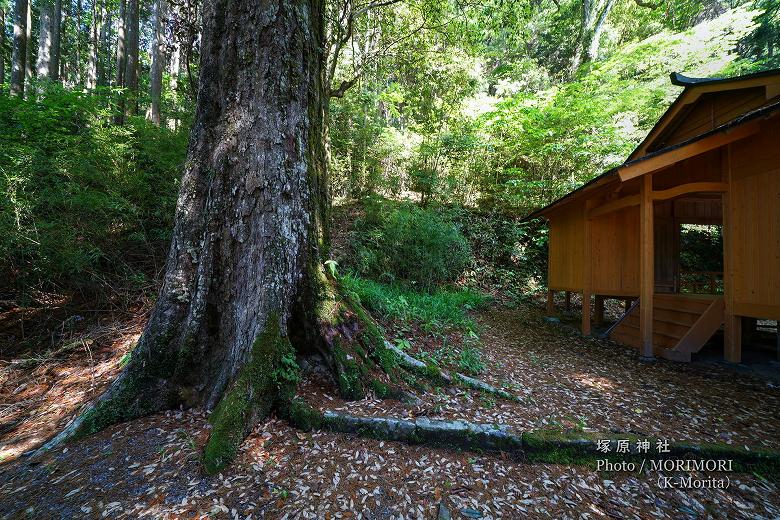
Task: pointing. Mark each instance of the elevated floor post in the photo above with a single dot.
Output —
(586, 313)
(732, 338)
(599, 318)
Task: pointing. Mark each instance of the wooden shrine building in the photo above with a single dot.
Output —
(714, 159)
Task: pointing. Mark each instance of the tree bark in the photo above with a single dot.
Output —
(158, 59)
(19, 54)
(244, 287)
(64, 72)
(131, 61)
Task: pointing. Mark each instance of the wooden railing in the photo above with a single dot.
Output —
(700, 282)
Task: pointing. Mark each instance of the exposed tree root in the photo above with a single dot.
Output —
(550, 446)
(423, 430)
(442, 375)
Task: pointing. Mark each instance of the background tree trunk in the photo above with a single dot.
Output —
(56, 41)
(598, 28)
(594, 16)
(45, 15)
(94, 46)
(65, 44)
(121, 60)
(104, 66)
(120, 46)
(244, 270)
(131, 61)
(76, 64)
(158, 60)
(28, 63)
(19, 55)
(2, 47)
(174, 67)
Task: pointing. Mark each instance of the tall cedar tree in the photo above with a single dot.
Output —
(244, 287)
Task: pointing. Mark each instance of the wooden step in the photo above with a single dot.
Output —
(684, 318)
(682, 303)
(681, 324)
(659, 338)
(674, 329)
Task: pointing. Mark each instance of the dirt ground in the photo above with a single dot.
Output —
(150, 468)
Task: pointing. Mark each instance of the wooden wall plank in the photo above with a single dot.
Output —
(755, 222)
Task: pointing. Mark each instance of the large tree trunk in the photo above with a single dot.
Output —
(19, 54)
(244, 286)
(158, 59)
(131, 60)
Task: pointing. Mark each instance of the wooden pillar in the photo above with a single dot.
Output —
(599, 310)
(568, 301)
(732, 327)
(550, 302)
(646, 271)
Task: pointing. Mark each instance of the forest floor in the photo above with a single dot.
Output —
(150, 467)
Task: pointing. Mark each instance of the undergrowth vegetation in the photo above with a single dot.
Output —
(407, 244)
(81, 200)
(436, 310)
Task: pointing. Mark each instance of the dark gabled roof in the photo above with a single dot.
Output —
(689, 83)
(685, 81)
